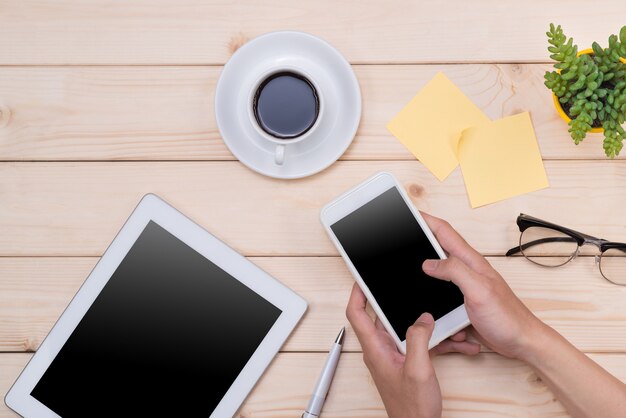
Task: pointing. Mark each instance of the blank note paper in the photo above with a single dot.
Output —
(501, 159)
(431, 124)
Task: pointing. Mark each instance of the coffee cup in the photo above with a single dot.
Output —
(285, 107)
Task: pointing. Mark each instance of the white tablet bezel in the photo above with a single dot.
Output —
(152, 208)
(447, 325)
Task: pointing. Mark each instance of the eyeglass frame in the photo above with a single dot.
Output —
(526, 221)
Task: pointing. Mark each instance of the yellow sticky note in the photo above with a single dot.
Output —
(431, 124)
(501, 159)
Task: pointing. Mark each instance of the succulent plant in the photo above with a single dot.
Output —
(590, 87)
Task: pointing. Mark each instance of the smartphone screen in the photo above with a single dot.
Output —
(387, 247)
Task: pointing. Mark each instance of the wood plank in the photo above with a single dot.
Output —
(486, 385)
(77, 208)
(166, 113)
(207, 32)
(574, 299)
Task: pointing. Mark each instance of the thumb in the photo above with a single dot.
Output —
(453, 270)
(417, 338)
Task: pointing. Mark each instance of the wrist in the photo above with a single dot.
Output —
(537, 338)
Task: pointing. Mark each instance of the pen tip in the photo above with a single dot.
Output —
(339, 339)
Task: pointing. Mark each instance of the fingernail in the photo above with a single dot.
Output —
(426, 318)
(429, 265)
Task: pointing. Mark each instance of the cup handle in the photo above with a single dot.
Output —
(279, 156)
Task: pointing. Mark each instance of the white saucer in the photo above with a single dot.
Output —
(340, 91)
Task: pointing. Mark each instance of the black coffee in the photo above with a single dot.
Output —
(286, 105)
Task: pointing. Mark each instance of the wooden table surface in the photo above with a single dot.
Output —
(104, 101)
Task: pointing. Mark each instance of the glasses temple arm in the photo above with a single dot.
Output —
(522, 247)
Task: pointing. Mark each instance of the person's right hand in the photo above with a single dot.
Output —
(501, 321)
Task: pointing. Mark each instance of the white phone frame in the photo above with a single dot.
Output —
(152, 208)
(447, 325)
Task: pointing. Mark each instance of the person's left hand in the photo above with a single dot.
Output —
(407, 384)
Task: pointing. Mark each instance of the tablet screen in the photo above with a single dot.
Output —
(387, 246)
(167, 336)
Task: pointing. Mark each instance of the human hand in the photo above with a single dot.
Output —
(501, 321)
(407, 384)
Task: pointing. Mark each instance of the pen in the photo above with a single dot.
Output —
(323, 383)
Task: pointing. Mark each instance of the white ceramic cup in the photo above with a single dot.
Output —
(281, 144)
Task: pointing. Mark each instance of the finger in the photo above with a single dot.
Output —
(455, 244)
(453, 270)
(417, 338)
(459, 336)
(450, 346)
(473, 334)
(359, 319)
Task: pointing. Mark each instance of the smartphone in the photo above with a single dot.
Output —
(384, 241)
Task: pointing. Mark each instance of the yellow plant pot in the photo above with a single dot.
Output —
(558, 106)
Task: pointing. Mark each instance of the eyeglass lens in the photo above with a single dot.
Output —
(547, 247)
(613, 265)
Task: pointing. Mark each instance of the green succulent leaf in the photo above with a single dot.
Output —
(579, 126)
(597, 49)
(613, 138)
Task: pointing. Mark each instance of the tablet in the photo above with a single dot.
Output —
(170, 322)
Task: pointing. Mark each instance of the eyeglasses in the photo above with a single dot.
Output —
(551, 245)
